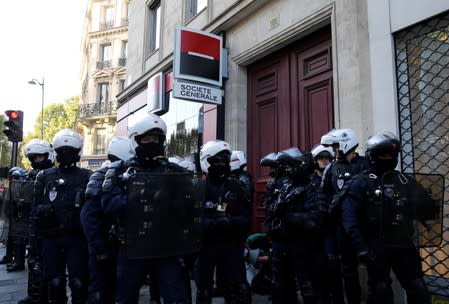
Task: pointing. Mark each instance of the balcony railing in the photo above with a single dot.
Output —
(121, 61)
(103, 64)
(106, 25)
(97, 109)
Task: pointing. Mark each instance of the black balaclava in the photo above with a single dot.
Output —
(67, 156)
(219, 171)
(147, 153)
(384, 165)
(45, 164)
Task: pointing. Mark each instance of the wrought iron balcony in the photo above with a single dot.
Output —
(121, 61)
(97, 109)
(103, 64)
(106, 25)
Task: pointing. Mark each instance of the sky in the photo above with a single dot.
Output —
(40, 40)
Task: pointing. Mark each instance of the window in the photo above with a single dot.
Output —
(193, 7)
(124, 54)
(109, 17)
(100, 141)
(105, 52)
(105, 56)
(154, 23)
(121, 85)
(102, 97)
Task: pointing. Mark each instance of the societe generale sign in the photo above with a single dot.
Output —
(198, 56)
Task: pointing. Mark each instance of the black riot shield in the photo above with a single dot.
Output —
(4, 216)
(412, 209)
(21, 201)
(427, 199)
(163, 215)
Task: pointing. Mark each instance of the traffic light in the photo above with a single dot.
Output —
(15, 125)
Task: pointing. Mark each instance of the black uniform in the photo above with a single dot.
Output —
(377, 215)
(59, 197)
(226, 221)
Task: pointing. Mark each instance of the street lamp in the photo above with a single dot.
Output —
(42, 84)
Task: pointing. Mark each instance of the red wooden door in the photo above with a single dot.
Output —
(290, 103)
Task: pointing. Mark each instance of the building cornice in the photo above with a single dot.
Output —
(109, 32)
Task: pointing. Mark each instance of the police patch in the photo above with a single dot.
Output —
(340, 183)
(52, 195)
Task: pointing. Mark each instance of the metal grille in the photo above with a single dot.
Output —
(422, 65)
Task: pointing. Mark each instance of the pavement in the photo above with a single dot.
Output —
(13, 287)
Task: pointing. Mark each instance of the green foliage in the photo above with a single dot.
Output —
(5, 148)
(182, 143)
(57, 116)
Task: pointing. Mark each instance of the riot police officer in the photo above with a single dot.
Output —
(226, 220)
(378, 211)
(58, 199)
(295, 222)
(148, 139)
(238, 169)
(16, 221)
(333, 187)
(99, 229)
(41, 156)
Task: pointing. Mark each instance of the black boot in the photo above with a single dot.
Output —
(15, 267)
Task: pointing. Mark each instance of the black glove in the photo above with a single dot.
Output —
(366, 256)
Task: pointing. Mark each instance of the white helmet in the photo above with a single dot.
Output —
(212, 148)
(329, 138)
(147, 123)
(347, 140)
(121, 148)
(188, 165)
(319, 150)
(37, 146)
(235, 161)
(241, 156)
(68, 138)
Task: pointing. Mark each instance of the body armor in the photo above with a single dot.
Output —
(63, 197)
(403, 209)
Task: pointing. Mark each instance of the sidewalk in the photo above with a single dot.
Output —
(12, 284)
(13, 287)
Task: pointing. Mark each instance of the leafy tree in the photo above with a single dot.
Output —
(5, 157)
(57, 116)
(183, 143)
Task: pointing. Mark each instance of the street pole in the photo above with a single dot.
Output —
(42, 84)
(42, 110)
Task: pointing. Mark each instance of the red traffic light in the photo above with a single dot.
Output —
(15, 125)
(13, 115)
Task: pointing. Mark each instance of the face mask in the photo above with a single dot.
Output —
(67, 157)
(219, 172)
(149, 151)
(384, 165)
(45, 164)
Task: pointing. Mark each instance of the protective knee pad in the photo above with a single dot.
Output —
(56, 291)
(203, 296)
(417, 292)
(79, 291)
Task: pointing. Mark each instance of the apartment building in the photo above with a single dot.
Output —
(103, 73)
